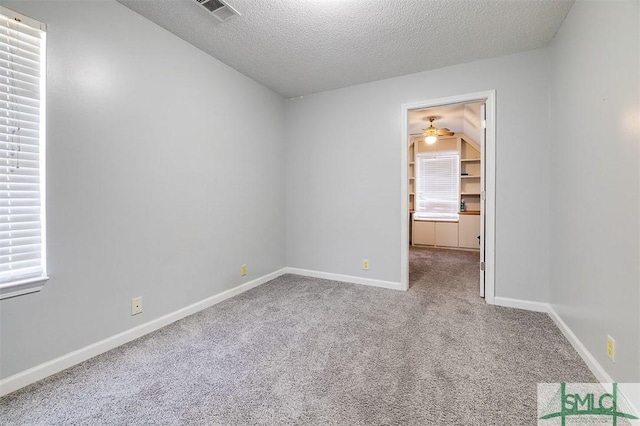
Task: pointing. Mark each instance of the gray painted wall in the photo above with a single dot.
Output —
(343, 171)
(595, 193)
(157, 186)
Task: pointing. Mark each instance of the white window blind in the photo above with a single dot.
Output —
(437, 185)
(22, 238)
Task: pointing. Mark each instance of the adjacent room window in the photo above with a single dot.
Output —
(22, 155)
(437, 185)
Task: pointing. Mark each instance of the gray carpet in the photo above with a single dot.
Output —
(300, 350)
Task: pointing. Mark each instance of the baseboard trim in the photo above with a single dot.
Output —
(39, 372)
(588, 358)
(46, 369)
(521, 304)
(596, 368)
(345, 278)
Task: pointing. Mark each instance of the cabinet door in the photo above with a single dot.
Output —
(423, 232)
(469, 231)
(447, 234)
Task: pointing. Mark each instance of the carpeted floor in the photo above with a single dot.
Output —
(300, 350)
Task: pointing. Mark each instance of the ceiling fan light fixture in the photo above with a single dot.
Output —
(431, 133)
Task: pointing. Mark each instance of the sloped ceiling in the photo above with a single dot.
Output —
(297, 47)
(459, 118)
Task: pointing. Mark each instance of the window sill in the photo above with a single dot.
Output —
(434, 219)
(18, 288)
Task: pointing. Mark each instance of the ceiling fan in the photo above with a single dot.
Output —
(431, 133)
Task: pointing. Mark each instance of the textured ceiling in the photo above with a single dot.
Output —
(297, 47)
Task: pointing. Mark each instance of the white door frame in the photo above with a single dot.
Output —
(489, 97)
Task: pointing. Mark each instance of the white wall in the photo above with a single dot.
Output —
(157, 187)
(595, 192)
(472, 122)
(343, 171)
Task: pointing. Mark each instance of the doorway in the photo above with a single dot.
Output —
(486, 193)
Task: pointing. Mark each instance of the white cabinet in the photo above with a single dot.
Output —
(463, 234)
(447, 234)
(469, 229)
(430, 233)
(424, 233)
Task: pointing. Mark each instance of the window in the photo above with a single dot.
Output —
(22, 216)
(437, 185)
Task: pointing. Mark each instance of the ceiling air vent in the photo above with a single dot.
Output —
(219, 9)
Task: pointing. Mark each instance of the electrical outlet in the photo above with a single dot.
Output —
(365, 264)
(136, 305)
(611, 348)
(243, 270)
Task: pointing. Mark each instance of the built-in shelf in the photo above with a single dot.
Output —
(470, 171)
(412, 175)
